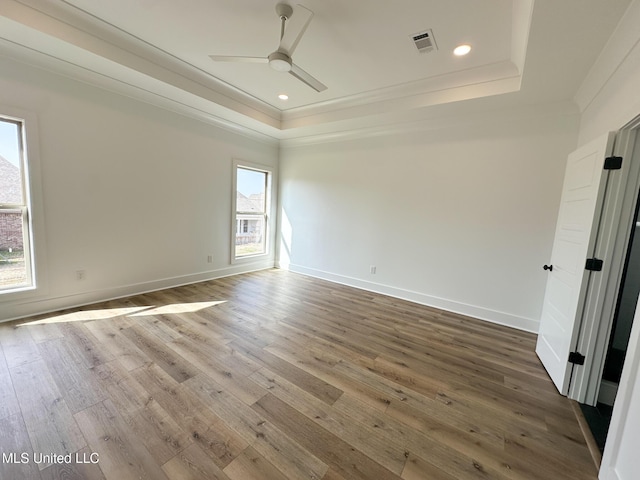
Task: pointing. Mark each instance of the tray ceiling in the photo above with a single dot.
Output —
(158, 50)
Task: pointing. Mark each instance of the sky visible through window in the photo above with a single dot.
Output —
(250, 181)
(9, 142)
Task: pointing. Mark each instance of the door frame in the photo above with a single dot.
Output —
(612, 243)
(618, 438)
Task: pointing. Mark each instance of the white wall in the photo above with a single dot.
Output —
(460, 217)
(135, 195)
(610, 95)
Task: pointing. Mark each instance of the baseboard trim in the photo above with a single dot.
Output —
(37, 306)
(493, 316)
(586, 433)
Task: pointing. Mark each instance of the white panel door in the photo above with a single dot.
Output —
(580, 208)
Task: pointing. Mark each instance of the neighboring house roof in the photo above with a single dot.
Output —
(253, 203)
(10, 184)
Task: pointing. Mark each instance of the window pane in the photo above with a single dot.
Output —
(10, 175)
(250, 235)
(15, 263)
(251, 191)
(251, 210)
(13, 269)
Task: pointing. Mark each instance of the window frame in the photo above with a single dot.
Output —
(269, 171)
(31, 208)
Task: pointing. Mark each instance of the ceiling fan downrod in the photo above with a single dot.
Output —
(284, 11)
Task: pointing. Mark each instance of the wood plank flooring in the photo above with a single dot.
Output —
(273, 376)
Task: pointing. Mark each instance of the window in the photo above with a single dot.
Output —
(15, 229)
(252, 191)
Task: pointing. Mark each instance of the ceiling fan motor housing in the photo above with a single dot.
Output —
(280, 61)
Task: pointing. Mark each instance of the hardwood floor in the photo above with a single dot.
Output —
(272, 376)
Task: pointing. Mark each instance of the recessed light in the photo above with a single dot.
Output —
(283, 96)
(461, 50)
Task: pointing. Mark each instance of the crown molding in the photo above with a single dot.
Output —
(65, 32)
(477, 82)
(428, 121)
(189, 106)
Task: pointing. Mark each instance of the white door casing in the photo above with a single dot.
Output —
(578, 219)
(620, 459)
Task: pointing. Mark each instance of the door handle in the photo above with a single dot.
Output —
(548, 267)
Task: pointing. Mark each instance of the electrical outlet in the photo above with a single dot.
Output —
(209, 258)
(81, 274)
(372, 269)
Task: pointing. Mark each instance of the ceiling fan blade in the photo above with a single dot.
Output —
(229, 58)
(300, 74)
(294, 29)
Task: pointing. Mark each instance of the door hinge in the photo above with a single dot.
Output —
(594, 264)
(576, 358)
(613, 163)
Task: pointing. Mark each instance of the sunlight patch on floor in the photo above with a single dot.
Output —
(85, 315)
(177, 308)
(106, 313)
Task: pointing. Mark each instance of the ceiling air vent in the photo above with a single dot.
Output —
(424, 41)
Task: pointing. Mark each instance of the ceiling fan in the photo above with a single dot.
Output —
(290, 36)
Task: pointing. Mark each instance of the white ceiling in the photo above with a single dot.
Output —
(353, 46)
(158, 50)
